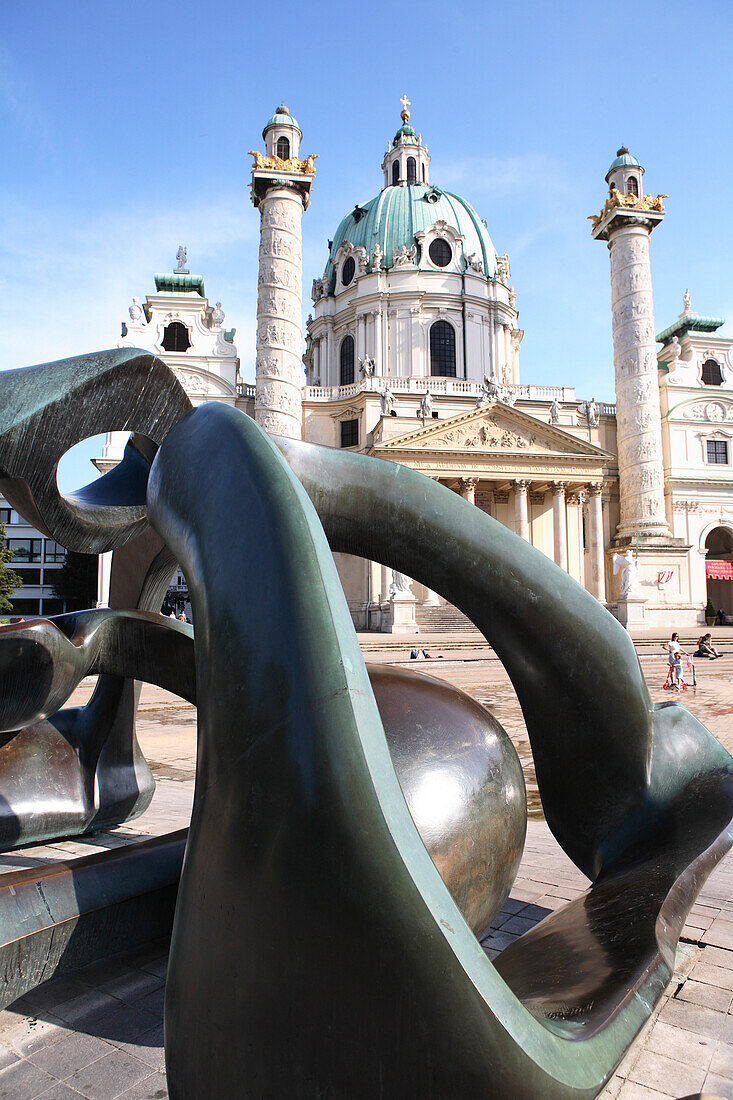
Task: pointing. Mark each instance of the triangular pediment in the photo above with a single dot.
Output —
(492, 428)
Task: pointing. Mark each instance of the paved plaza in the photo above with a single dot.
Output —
(98, 1033)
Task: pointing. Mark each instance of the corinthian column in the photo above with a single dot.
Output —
(467, 487)
(521, 509)
(560, 523)
(597, 569)
(626, 223)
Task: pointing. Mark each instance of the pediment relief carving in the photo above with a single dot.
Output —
(492, 434)
(495, 429)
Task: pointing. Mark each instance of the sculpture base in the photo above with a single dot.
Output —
(401, 618)
(632, 611)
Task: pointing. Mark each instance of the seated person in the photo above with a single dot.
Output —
(705, 647)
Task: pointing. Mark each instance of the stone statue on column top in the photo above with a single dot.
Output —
(425, 411)
(181, 257)
(554, 412)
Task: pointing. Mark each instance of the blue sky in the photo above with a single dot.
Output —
(125, 131)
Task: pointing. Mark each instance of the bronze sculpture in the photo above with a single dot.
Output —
(299, 815)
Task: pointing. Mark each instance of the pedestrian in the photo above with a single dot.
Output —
(676, 653)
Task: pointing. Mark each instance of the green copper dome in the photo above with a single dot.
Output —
(397, 213)
(282, 117)
(405, 133)
(624, 159)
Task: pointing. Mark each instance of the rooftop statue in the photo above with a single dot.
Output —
(315, 775)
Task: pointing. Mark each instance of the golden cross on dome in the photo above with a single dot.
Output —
(405, 104)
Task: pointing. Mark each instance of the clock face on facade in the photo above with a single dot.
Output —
(715, 412)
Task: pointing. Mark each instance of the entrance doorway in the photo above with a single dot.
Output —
(719, 569)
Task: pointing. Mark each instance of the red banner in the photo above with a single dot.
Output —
(719, 570)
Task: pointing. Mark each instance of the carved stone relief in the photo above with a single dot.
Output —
(713, 411)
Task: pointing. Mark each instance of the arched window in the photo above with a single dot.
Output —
(711, 373)
(440, 252)
(395, 172)
(632, 186)
(346, 361)
(175, 337)
(443, 349)
(283, 148)
(348, 270)
(423, 173)
(411, 170)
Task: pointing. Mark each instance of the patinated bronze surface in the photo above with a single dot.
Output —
(458, 769)
(321, 795)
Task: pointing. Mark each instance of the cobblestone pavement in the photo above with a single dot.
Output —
(98, 1033)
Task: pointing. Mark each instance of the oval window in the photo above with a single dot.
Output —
(348, 270)
(440, 252)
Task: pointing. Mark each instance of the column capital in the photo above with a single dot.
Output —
(559, 487)
(595, 488)
(468, 482)
(521, 485)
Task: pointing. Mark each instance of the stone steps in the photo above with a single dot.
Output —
(443, 620)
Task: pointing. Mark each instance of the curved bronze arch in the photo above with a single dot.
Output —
(316, 949)
(298, 811)
(47, 409)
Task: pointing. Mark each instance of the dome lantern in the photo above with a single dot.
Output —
(625, 173)
(282, 135)
(406, 160)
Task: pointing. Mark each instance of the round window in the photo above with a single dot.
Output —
(348, 271)
(440, 252)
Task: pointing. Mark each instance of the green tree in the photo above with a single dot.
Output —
(9, 579)
(76, 581)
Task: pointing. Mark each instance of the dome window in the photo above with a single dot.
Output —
(442, 350)
(632, 186)
(411, 170)
(441, 254)
(348, 271)
(711, 373)
(346, 361)
(395, 172)
(283, 148)
(175, 337)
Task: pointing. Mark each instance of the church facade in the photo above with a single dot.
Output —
(412, 355)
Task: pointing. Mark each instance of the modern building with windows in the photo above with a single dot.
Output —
(35, 559)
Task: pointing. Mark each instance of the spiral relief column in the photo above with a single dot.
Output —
(626, 223)
(281, 184)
